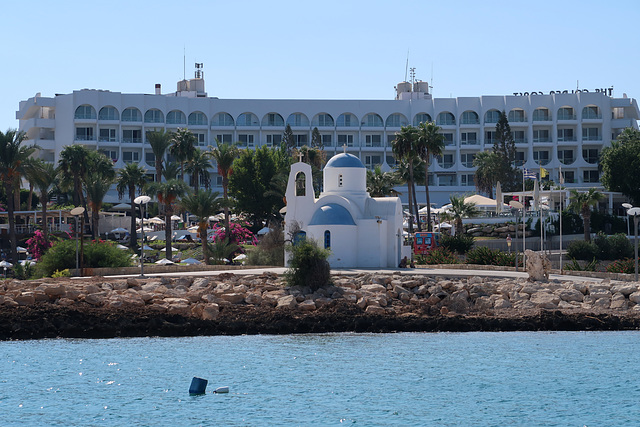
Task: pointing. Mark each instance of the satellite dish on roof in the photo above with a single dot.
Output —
(77, 211)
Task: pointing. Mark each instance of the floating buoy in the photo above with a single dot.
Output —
(198, 386)
(222, 390)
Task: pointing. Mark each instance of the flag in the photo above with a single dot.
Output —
(543, 172)
(528, 174)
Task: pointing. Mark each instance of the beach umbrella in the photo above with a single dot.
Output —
(191, 261)
(264, 231)
(164, 261)
(499, 201)
(146, 229)
(123, 247)
(175, 218)
(165, 249)
(121, 207)
(119, 230)
(156, 220)
(147, 248)
(240, 257)
(21, 250)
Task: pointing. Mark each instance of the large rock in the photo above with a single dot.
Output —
(54, 290)
(200, 283)
(25, 298)
(233, 298)
(635, 297)
(96, 299)
(625, 289)
(619, 302)
(254, 298)
(373, 288)
(570, 295)
(545, 300)
(502, 304)
(307, 305)
(210, 311)
(288, 301)
(375, 310)
(538, 265)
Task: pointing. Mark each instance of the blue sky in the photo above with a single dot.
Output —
(317, 50)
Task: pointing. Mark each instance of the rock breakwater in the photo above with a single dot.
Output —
(251, 304)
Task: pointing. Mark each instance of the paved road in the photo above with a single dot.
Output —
(445, 272)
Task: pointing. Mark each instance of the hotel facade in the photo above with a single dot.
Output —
(559, 130)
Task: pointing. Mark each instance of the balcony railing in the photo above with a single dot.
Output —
(567, 139)
(591, 159)
(566, 116)
(545, 139)
(107, 139)
(132, 140)
(591, 116)
(520, 140)
(592, 137)
(85, 138)
(541, 118)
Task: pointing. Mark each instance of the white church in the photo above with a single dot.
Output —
(359, 230)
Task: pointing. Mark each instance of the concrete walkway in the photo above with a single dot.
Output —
(437, 272)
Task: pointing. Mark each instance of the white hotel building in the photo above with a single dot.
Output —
(567, 129)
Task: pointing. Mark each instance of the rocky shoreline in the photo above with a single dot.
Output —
(229, 304)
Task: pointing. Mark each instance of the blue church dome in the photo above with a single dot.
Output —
(332, 214)
(344, 160)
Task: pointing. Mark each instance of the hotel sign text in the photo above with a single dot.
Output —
(607, 91)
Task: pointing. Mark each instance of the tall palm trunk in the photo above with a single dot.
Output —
(167, 232)
(225, 184)
(415, 206)
(203, 241)
(133, 236)
(8, 185)
(426, 189)
(586, 219)
(30, 198)
(45, 226)
(410, 187)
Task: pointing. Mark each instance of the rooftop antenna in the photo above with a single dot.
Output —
(577, 85)
(184, 63)
(199, 71)
(413, 74)
(431, 85)
(406, 68)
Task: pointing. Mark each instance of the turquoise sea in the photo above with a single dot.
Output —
(408, 379)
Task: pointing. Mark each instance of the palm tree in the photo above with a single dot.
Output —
(403, 174)
(581, 203)
(404, 148)
(30, 168)
(198, 167)
(73, 169)
(430, 143)
(460, 209)
(12, 155)
(224, 155)
(130, 178)
(159, 141)
(488, 167)
(380, 184)
(167, 192)
(183, 147)
(44, 180)
(100, 175)
(171, 171)
(202, 204)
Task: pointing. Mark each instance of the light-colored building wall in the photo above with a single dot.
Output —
(557, 139)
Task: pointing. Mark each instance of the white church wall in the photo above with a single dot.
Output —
(372, 245)
(344, 239)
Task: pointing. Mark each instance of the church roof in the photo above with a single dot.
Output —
(332, 214)
(344, 160)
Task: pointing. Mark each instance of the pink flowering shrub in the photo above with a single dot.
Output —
(240, 234)
(38, 245)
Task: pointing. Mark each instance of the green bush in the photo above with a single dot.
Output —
(603, 246)
(580, 249)
(620, 247)
(483, 255)
(63, 273)
(460, 244)
(308, 265)
(627, 266)
(439, 255)
(62, 255)
(574, 265)
(270, 249)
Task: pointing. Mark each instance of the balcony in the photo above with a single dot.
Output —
(592, 137)
(520, 140)
(132, 140)
(566, 117)
(85, 138)
(591, 116)
(544, 139)
(470, 142)
(567, 139)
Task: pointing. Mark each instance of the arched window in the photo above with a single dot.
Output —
(153, 116)
(85, 112)
(322, 120)
(541, 115)
(299, 237)
(272, 119)
(421, 118)
(108, 113)
(492, 116)
(197, 119)
(131, 115)
(591, 112)
(446, 118)
(176, 117)
(327, 239)
(566, 113)
(222, 119)
(297, 119)
(247, 119)
(301, 184)
(470, 118)
(347, 120)
(517, 115)
(372, 120)
(396, 120)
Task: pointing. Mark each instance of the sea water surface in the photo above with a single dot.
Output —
(440, 379)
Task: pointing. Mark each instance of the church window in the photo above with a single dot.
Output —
(340, 180)
(299, 237)
(301, 184)
(327, 239)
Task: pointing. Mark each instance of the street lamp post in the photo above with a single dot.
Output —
(77, 212)
(516, 206)
(142, 201)
(627, 206)
(635, 212)
(509, 242)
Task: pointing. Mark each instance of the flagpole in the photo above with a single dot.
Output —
(524, 224)
(561, 179)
